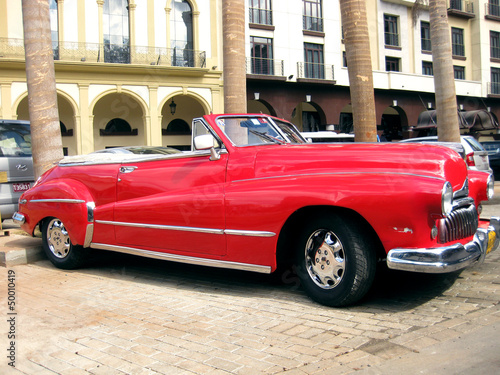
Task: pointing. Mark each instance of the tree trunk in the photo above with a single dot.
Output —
(444, 80)
(40, 76)
(359, 66)
(235, 96)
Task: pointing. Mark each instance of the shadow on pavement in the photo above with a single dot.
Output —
(393, 291)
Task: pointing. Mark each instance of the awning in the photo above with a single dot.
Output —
(472, 120)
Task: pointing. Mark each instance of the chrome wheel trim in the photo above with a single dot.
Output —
(58, 240)
(325, 259)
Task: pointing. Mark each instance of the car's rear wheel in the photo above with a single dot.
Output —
(335, 261)
(58, 247)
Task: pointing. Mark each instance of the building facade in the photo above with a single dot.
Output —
(296, 65)
(128, 72)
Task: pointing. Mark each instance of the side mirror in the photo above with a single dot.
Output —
(204, 142)
(207, 142)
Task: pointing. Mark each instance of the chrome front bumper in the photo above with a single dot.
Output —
(18, 218)
(447, 258)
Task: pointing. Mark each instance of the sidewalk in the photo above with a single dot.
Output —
(16, 248)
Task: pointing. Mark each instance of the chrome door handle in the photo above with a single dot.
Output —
(127, 169)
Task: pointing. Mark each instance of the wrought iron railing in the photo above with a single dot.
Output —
(112, 53)
(494, 88)
(312, 23)
(461, 5)
(315, 71)
(492, 9)
(262, 66)
(392, 39)
(260, 16)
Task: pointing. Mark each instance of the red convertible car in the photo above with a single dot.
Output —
(254, 195)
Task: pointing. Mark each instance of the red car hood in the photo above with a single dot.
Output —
(420, 159)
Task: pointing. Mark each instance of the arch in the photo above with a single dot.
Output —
(260, 106)
(203, 102)
(393, 123)
(309, 116)
(133, 95)
(178, 127)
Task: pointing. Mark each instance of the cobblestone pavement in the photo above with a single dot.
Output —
(127, 315)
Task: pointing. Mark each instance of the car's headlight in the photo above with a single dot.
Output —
(490, 187)
(446, 199)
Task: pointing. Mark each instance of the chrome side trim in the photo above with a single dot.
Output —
(88, 235)
(232, 232)
(164, 227)
(184, 259)
(250, 233)
(57, 201)
(90, 211)
(340, 173)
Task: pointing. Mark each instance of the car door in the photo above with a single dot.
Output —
(175, 204)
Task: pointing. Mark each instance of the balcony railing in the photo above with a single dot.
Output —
(312, 23)
(262, 66)
(492, 10)
(391, 39)
(110, 53)
(493, 88)
(260, 16)
(461, 7)
(309, 70)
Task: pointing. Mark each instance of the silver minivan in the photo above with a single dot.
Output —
(16, 164)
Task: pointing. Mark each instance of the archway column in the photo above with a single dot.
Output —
(153, 127)
(85, 126)
(5, 105)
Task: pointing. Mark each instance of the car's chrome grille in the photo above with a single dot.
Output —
(460, 223)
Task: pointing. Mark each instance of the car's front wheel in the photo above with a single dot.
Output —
(335, 261)
(58, 247)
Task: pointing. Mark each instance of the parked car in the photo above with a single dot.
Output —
(16, 164)
(254, 195)
(327, 137)
(476, 156)
(139, 150)
(493, 148)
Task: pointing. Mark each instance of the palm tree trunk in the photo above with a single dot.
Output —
(444, 80)
(233, 15)
(40, 76)
(359, 66)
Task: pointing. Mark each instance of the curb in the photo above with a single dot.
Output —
(19, 249)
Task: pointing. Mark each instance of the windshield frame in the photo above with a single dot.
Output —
(284, 131)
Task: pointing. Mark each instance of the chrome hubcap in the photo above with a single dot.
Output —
(58, 239)
(325, 259)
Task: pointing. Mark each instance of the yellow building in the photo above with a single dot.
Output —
(128, 72)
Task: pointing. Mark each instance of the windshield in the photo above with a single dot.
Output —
(254, 130)
(15, 140)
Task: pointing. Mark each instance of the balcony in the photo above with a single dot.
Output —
(312, 25)
(315, 72)
(494, 89)
(461, 8)
(260, 17)
(109, 53)
(492, 12)
(264, 68)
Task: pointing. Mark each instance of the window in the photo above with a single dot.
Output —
(391, 30)
(344, 59)
(425, 36)
(314, 65)
(313, 15)
(260, 12)
(494, 45)
(392, 64)
(116, 32)
(495, 81)
(456, 4)
(427, 69)
(262, 55)
(494, 8)
(54, 28)
(181, 31)
(459, 72)
(457, 42)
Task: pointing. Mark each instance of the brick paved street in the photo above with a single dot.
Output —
(126, 315)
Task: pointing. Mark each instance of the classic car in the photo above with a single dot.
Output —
(254, 195)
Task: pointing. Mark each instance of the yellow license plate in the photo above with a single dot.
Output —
(491, 241)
